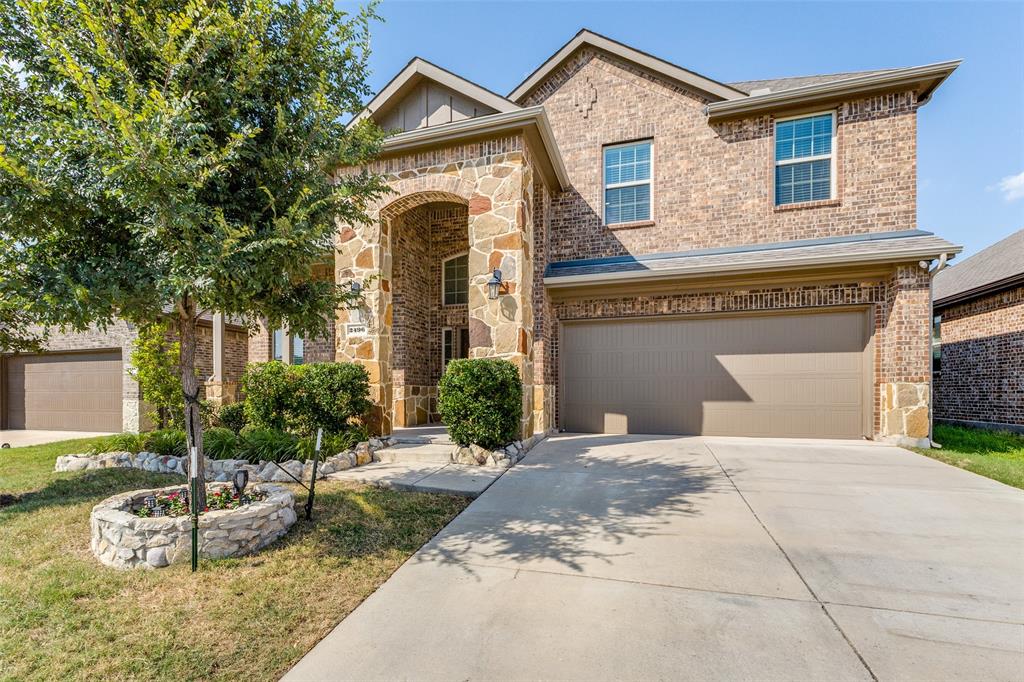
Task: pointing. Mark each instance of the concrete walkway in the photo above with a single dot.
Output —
(423, 477)
(18, 438)
(629, 558)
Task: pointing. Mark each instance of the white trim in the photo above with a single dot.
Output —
(636, 183)
(832, 156)
(444, 261)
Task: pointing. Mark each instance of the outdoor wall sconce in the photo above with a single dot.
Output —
(355, 315)
(494, 285)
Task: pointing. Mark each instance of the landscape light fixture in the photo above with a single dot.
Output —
(239, 481)
(494, 285)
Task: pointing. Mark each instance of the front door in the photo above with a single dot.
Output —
(456, 345)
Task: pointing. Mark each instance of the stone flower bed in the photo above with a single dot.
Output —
(122, 539)
(221, 470)
(475, 455)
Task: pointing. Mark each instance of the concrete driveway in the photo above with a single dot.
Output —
(640, 558)
(17, 438)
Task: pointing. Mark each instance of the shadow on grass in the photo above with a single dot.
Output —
(352, 521)
(85, 486)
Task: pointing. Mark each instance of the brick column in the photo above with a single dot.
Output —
(904, 358)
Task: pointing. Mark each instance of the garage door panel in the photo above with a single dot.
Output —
(64, 391)
(777, 375)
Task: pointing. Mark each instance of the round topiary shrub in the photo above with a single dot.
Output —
(232, 416)
(481, 402)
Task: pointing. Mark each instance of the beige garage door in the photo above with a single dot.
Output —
(803, 375)
(64, 391)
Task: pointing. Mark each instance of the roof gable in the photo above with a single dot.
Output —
(424, 95)
(717, 90)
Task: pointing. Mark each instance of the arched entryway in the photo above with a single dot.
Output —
(430, 297)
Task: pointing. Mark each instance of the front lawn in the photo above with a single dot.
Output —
(65, 616)
(997, 455)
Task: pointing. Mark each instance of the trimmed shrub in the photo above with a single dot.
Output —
(166, 442)
(269, 390)
(119, 442)
(264, 445)
(231, 417)
(303, 398)
(481, 402)
(328, 396)
(219, 443)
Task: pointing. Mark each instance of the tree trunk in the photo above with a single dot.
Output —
(190, 387)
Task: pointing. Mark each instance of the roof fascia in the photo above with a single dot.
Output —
(532, 120)
(983, 290)
(420, 68)
(924, 78)
(769, 264)
(650, 62)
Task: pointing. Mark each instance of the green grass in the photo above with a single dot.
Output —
(65, 616)
(998, 455)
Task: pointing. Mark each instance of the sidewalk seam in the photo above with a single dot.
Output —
(792, 565)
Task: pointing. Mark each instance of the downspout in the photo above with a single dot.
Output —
(939, 267)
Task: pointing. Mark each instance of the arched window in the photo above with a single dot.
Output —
(455, 280)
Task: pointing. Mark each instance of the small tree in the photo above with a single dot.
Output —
(154, 365)
(181, 153)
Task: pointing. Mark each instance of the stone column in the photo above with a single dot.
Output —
(500, 237)
(219, 391)
(364, 255)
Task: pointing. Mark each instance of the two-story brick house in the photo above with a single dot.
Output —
(658, 252)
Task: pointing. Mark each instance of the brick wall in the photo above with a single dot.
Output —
(982, 372)
(713, 183)
(411, 299)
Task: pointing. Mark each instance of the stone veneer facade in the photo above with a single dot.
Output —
(981, 380)
(491, 183)
(712, 187)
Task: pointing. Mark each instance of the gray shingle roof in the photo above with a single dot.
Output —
(977, 274)
(780, 84)
(874, 247)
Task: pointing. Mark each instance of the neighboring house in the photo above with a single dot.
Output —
(675, 254)
(81, 382)
(979, 338)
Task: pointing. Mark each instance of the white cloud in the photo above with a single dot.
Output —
(1012, 187)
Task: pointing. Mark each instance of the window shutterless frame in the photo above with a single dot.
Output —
(605, 186)
(831, 157)
(444, 279)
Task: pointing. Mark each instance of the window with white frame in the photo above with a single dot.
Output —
(455, 280)
(627, 183)
(804, 159)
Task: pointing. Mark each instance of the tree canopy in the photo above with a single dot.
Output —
(160, 156)
(153, 151)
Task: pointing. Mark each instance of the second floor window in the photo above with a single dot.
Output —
(804, 156)
(627, 183)
(455, 280)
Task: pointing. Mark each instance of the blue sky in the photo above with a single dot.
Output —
(970, 136)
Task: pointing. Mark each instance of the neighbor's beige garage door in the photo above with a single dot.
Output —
(64, 391)
(771, 375)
